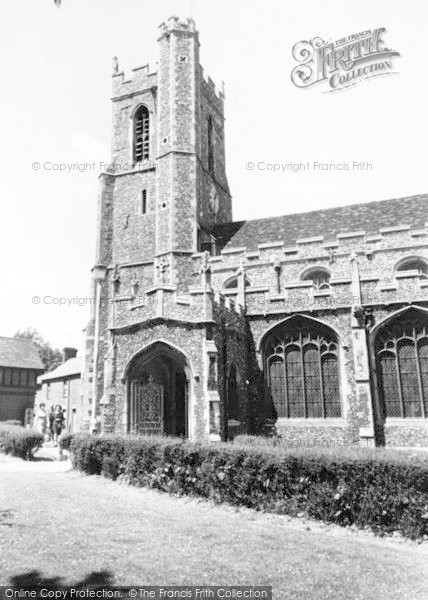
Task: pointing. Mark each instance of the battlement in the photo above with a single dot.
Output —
(225, 303)
(176, 24)
(273, 262)
(142, 78)
(388, 238)
(211, 90)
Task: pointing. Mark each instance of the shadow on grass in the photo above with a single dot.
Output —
(6, 515)
(35, 578)
(47, 454)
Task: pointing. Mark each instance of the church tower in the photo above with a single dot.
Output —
(168, 179)
(160, 199)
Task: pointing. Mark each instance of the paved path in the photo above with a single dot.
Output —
(65, 527)
(46, 460)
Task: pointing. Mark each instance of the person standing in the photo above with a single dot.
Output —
(51, 420)
(58, 423)
(40, 419)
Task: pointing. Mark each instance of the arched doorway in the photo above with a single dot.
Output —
(401, 355)
(157, 382)
(301, 365)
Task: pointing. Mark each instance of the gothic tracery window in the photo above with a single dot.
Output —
(141, 135)
(302, 368)
(320, 278)
(401, 349)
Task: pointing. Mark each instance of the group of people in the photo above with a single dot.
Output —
(49, 424)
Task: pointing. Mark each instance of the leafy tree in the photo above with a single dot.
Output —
(50, 357)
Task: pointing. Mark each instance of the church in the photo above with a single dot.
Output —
(313, 326)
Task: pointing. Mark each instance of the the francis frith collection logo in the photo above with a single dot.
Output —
(342, 63)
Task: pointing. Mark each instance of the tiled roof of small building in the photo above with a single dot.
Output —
(368, 217)
(19, 353)
(70, 368)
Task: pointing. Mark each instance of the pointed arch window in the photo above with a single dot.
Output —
(401, 348)
(141, 135)
(302, 370)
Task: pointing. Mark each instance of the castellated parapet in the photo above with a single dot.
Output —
(142, 79)
(176, 24)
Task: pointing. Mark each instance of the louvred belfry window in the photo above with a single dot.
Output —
(401, 349)
(141, 148)
(302, 370)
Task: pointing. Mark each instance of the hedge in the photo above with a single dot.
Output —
(381, 490)
(18, 441)
(12, 422)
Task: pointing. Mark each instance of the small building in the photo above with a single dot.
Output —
(63, 386)
(20, 365)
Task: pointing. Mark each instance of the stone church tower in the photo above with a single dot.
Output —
(159, 201)
(313, 323)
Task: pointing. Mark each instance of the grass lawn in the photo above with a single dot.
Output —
(65, 526)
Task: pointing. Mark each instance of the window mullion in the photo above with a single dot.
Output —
(287, 408)
(302, 366)
(418, 370)
(400, 391)
(321, 379)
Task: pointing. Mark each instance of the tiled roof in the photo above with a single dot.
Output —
(71, 367)
(368, 217)
(20, 353)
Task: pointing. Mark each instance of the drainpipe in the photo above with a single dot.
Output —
(224, 428)
(99, 273)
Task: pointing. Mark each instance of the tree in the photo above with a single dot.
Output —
(50, 357)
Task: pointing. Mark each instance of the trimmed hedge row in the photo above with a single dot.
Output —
(18, 441)
(12, 422)
(382, 490)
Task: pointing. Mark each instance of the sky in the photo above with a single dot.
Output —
(55, 109)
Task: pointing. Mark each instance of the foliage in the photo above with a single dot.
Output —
(65, 440)
(382, 490)
(18, 441)
(50, 357)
